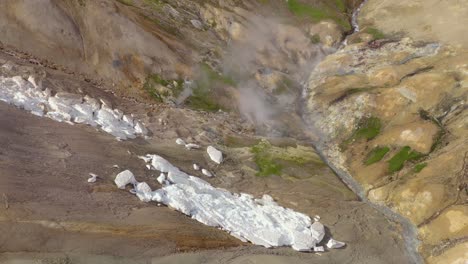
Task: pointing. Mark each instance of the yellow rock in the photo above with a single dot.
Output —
(456, 255)
(450, 224)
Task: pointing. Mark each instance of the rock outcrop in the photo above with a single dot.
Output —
(392, 113)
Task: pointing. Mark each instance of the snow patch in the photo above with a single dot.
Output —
(260, 221)
(68, 107)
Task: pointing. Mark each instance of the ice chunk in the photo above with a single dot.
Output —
(162, 178)
(319, 249)
(196, 167)
(206, 173)
(180, 141)
(92, 178)
(215, 155)
(124, 178)
(143, 192)
(332, 243)
(318, 231)
(33, 81)
(192, 146)
(140, 128)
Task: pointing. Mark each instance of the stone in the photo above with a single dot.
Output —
(215, 155)
(124, 178)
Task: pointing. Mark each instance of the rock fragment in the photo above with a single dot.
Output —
(207, 173)
(332, 243)
(92, 178)
(180, 141)
(124, 178)
(215, 155)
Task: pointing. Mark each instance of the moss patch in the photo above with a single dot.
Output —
(376, 155)
(320, 12)
(315, 39)
(419, 167)
(368, 128)
(155, 82)
(397, 162)
(126, 2)
(376, 34)
(203, 97)
(271, 160)
(264, 161)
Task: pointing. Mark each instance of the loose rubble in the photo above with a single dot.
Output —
(332, 243)
(68, 107)
(180, 141)
(92, 178)
(191, 146)
(215, 155)
(260, 221)
(207, 173)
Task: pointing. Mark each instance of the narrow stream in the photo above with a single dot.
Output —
(354, 24)
(409, 230)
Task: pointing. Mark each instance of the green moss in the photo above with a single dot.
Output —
(202, 97)
(317, 14)
(376, 155)
(315, 39)
(419, 167)
(202, 101)
(341, 5)
(304, 10)
(210, 77)
(368, 128)
(126, 2)
(283, 86)
(376, 34)
(239, 142)
(264, 161)
(154, 80)
(397, 162)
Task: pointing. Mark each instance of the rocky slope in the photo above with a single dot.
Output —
(387, 112)
(393, 112)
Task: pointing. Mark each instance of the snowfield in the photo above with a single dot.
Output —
(68, 107)
(260, 221)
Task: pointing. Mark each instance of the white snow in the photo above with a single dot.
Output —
(92, 178)
(124, 178)
(319, 249)
(196, 167)
(207, 173)
(260, 221)
(162, 178)
(215, 155)
(68, 107)
(143, 191)
(332, 243)
(180, 141)
(191, 146)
